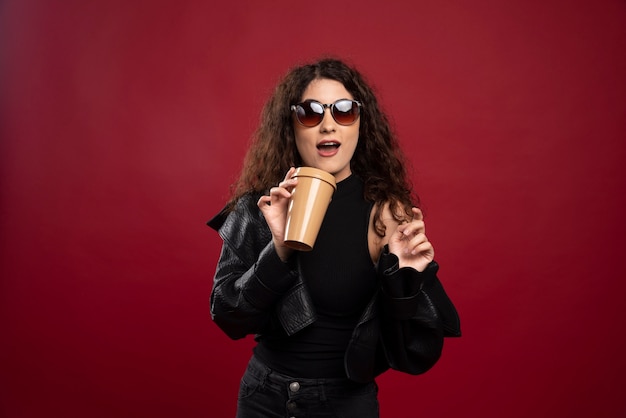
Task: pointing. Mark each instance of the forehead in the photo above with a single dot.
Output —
(325, 90)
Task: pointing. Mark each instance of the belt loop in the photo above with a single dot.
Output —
(322, 390)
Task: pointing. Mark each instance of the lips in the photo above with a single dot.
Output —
(328, 148)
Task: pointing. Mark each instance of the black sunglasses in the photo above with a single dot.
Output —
(311, 112)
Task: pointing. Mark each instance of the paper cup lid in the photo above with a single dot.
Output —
(316, 173)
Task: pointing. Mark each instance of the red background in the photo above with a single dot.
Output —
(123, 123)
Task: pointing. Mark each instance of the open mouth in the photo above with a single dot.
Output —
(328, 146)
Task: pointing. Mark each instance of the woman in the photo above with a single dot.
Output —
(367, 298)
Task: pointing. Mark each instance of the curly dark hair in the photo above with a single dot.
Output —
(377, 160)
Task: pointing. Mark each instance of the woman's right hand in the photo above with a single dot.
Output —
(274, 208)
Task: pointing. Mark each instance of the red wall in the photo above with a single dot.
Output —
(124, 122)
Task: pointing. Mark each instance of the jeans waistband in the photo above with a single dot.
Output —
(299, 385)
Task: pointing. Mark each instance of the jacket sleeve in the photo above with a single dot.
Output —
(249, 277)
(416, 315)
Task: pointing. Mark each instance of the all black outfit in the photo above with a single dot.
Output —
(327, 315)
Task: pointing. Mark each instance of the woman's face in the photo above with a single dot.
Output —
(328, 146)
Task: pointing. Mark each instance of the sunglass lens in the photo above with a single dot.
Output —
(346, 112)
(310, 113)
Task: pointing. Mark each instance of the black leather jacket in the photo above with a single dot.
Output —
(254, 292)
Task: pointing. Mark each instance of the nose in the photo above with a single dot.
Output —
(328, 122)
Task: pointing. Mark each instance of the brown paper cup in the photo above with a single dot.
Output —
(307, 207)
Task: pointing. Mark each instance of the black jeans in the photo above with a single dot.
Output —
(265, 393)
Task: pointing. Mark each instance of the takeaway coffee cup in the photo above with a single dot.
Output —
(307, 207)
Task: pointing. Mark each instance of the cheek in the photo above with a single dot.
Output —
(299, 142)
(303, 138)
(354, 138)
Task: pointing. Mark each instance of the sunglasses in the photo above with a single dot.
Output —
(311, 112)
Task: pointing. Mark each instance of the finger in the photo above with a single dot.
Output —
(279, 192)
(288, 183)
(264, 202)
(418, 240)
(412, 228)
(404, 232)
(414, 242)
(423, 248)
(290, 173)
(417, 214)
(417, 245)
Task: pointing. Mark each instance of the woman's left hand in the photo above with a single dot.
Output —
(410, 244)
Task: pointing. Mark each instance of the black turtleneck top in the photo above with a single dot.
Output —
(341, 279)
